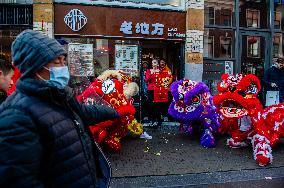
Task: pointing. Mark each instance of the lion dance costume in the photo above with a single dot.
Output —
(269, 128)
(237, 103)
(110, 132)
(243, 117)
(192, 104)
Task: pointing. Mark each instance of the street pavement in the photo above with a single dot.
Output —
(171, 159)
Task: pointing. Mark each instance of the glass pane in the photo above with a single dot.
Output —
(256, 10)
(226, 47)
(224, 11)
(277, 45)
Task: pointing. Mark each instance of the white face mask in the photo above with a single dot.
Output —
(59, 76)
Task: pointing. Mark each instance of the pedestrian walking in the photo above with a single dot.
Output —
(44, 140)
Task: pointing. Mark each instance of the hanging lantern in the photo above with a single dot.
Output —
(252, 40)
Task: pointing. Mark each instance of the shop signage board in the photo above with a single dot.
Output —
(80, 59)
(75, 19)
(118, 22)
(126, 59)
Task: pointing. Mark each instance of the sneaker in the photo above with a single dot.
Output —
(145, 135)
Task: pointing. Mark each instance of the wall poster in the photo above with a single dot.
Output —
(126, 59)
(80, 59)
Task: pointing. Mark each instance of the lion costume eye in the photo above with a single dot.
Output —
(195, 101)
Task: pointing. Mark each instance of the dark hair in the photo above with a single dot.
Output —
(163, 59)
(280, 60)
(6, 66)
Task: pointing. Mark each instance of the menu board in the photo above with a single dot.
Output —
(80, 59)
(126, 59)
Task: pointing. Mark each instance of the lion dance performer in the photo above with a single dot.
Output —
(237, 103)
(109, 133)
(192, 104)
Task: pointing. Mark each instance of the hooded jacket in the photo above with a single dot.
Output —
(44, 141)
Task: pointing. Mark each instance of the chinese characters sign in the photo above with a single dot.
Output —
(126, 59)
(80, 59)
(105, 22)
(143, 28)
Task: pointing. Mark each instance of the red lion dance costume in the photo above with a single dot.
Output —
(110, 132)
(237, 103)
(269, 128)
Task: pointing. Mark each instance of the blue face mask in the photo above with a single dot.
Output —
(59, 76)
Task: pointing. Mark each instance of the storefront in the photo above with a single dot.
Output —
(99, 38)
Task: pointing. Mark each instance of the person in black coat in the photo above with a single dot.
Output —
(44, 138)
(274, 78)
(6, 74)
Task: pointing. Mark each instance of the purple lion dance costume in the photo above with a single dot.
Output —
(192, 104)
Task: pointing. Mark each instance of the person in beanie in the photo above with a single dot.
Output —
(44, 140)
(6, 74)
(274, 78)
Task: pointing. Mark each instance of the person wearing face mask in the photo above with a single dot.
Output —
(274, 78)
(6, 81)
(43, 129)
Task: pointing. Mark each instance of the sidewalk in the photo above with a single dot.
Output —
(171, 153)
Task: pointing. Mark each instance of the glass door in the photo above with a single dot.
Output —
(254, 57)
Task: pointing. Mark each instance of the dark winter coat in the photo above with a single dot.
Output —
(274, 75)
(3, 97)
(44, 141)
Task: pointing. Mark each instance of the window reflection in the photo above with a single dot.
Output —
(253, 44)
(252, 17)
(226, 47)
(208, 46)
(219, 12)
(277, 45)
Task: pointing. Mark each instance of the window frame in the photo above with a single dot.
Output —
(208, 13)
(252, 18)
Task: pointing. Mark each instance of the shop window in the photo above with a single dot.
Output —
(252, 17)
(253, 45)
(208, 46)
(209, 16)
(277, 46)
(226, 47)
(277, 20)
(226, 17)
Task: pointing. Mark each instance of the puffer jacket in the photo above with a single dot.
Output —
(44, 141)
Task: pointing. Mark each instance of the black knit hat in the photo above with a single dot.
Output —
(32, 50)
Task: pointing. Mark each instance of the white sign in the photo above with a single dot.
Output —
(80, 59)
(126, 59)
(75, 19)
(142, 28)
(173, 32)
(229, 67)
(108, 86)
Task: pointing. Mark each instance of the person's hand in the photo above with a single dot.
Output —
(273, 85)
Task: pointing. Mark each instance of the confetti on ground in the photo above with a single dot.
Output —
(158, 154)
(146, 149)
